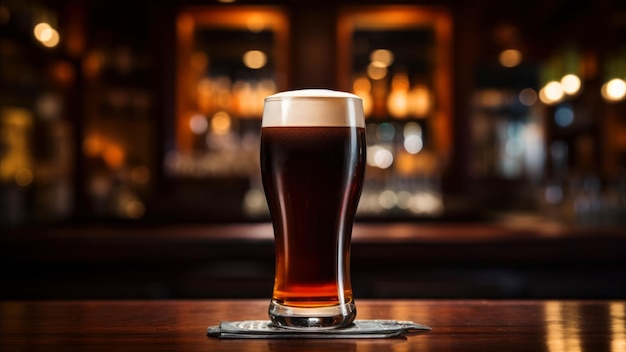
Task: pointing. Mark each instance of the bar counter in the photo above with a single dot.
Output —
(389, 260)
(175, 325)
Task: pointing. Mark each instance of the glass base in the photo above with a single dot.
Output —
(319, 318)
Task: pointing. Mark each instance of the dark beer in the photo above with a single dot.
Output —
(313, 178)
(312, 165)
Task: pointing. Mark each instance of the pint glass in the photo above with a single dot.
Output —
(312, 166)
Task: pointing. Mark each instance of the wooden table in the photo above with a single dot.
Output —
(458, 325)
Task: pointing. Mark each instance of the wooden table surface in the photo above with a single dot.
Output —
(458, 325)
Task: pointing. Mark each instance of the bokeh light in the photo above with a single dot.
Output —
(387, 199)
(254, 59)
(220, 123)
(614, 90)
(198, 124)
(382, 57)
(376, 71)
(510, 58)
(551, 93)
(135, 209)
(114, 156)
(570, 84)
(564, 115)
(528, 97)
(413, 144)
(380, 157)
(255, 24)
(47, 35)
(140, 175)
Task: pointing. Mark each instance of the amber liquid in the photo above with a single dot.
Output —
(313, 178)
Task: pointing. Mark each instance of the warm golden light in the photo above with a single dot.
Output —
(254, 59)
(397, 101)
(220, 124)
(419, 101)
(362, 84)
(563, 332)
(376, 70)
(571, 84)
(47, 35)
(41, 31)
(255, 24)
(397, 104)
(363, 87)
(382, 56)
(204, 95)
(614, 90)
(406, 164)
(551, 93)
(617, 311)
(114, 156)
(53, 40)
(135, 209)
(15, 133)
(93, 146)
(400, 81)
(510, 58)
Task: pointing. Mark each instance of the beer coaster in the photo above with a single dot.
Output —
(359, 329)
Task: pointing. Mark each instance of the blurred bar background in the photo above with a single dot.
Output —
(129, 135)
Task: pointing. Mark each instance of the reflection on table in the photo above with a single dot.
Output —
(458, 325)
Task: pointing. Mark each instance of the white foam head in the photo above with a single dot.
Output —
(313, 107)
